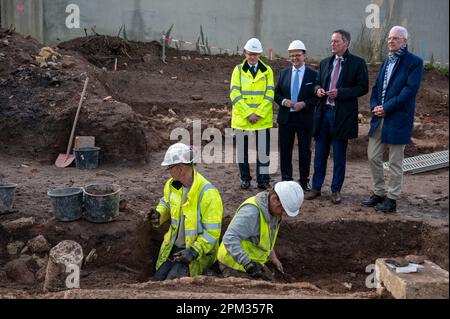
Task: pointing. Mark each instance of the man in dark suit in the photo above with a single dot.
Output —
(393, 104)
(342, 79)
(294, 94)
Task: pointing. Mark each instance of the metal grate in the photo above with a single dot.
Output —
(424, 163)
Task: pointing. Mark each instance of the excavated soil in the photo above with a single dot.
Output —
(325, 251)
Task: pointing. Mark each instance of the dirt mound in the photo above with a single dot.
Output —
(98, 49)
(102, 51)
(38, 106)
(98, 45)
(16, 50)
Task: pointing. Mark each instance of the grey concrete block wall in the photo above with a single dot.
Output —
(229, 24)
(30, 21)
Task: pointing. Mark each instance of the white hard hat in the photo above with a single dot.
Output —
(297, 45)
(291, 197)
(178, 154)
(254, 46)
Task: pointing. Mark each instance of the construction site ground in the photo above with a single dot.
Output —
(325, 250)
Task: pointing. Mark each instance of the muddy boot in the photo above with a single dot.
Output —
(387, 206)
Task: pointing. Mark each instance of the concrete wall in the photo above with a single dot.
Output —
(229, 24)
(26, 16)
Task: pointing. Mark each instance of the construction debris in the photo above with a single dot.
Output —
(424, 163)
(416, 259)
(47, 55)
(91, 256)
(398, 262)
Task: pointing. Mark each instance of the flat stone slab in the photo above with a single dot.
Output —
(18, 224)
(429, 282)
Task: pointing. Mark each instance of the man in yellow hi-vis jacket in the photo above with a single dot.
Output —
(252, 95)
(193, 207)
(250, 238)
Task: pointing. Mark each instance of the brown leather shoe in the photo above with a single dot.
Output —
(313, 194)
(336, 198)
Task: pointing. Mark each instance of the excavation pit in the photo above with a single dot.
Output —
(339, 256)
(331, 256)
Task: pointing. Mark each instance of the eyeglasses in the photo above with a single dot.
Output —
(296, 55)
(394, 38)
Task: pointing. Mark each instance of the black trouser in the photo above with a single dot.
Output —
(262, 157)
(171, 270)
(286, 135)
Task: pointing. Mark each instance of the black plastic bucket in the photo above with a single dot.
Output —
(101, 202)
(87, 157)
(7, 194)
(67, 203)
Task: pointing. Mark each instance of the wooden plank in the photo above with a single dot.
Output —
(84, 141)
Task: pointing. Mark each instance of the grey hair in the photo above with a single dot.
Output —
(402, 30)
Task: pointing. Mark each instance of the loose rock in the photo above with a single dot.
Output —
(15, 247)
(197, 97)
(38, 245)
(18, 271)
(18, 224)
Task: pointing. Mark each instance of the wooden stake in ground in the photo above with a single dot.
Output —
(64, 267)
(164, 49)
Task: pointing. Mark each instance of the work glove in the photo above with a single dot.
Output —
(254, 269)
(185, 256)
(153, 217)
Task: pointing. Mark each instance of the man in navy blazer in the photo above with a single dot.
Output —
(294, 93)
(393, 104)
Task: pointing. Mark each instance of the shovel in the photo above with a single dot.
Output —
(65, 160)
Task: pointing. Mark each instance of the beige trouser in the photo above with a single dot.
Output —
(396, 156)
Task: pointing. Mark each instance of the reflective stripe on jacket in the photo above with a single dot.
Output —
(252, 96)
(259, 253)
(203, 221)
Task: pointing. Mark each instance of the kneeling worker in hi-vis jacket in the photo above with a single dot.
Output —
(250, 238)
(193, 207)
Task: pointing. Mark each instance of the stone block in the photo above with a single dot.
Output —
(429, 282)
